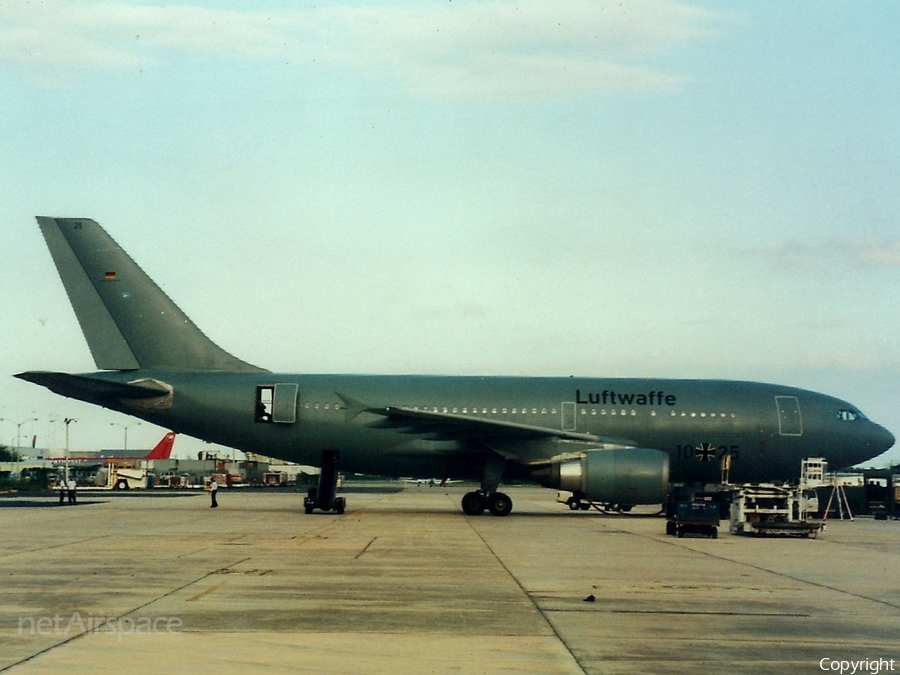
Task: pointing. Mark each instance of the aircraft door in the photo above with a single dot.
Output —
(569, 418)
(790, 422)
(276, 403)
(284, 406)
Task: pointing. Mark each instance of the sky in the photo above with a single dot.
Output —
(601, 189)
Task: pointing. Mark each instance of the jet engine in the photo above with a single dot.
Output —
(625, 477)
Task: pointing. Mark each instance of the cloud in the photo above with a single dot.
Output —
(58, 37)
(836, 252)
(873, 255)
(452, 50)
(505, 49)
(519, 76)
(842, 361)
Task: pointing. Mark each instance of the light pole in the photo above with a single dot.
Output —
(19, 433)
(125, 427)
(67, 422)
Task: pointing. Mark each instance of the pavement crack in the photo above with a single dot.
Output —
(365, 548)
(528, 595)
(786, 575)
(107, 620)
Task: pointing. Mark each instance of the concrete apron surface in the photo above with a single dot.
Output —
(404, 582)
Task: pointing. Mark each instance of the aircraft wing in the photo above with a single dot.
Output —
(448, 426)
(510, 439)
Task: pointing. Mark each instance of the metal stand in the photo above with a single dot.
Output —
(837, 492)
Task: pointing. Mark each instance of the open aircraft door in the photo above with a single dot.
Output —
(284, 404)
(277, 403)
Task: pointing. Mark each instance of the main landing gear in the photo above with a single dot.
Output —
(324, 496)
(499, 504)
(474, 503)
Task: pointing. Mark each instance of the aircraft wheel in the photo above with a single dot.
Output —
(500, 504)
(339, 505)
(309, 504)
(473, 504)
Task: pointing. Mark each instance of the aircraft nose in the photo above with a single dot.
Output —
(883, 439)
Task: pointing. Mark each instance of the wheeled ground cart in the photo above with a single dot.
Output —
(697, 517)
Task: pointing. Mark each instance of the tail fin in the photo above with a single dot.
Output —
(127, 320)
(163, 449)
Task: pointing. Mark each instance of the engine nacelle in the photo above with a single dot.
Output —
(627, 476)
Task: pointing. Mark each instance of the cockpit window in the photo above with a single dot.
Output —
(850, 415)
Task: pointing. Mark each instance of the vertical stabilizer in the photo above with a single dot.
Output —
(163, 449)
(127, 320)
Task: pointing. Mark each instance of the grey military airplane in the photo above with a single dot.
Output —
(612, 441)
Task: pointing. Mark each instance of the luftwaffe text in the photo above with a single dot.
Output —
(612, 397)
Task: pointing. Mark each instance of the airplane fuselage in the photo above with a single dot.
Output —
(766, 429)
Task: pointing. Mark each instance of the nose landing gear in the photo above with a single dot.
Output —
(324, 496)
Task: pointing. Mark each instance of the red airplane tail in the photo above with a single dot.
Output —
(163, 449)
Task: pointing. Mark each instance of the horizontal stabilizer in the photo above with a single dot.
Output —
(92, 389)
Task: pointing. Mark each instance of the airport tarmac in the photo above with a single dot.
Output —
(403, 582)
